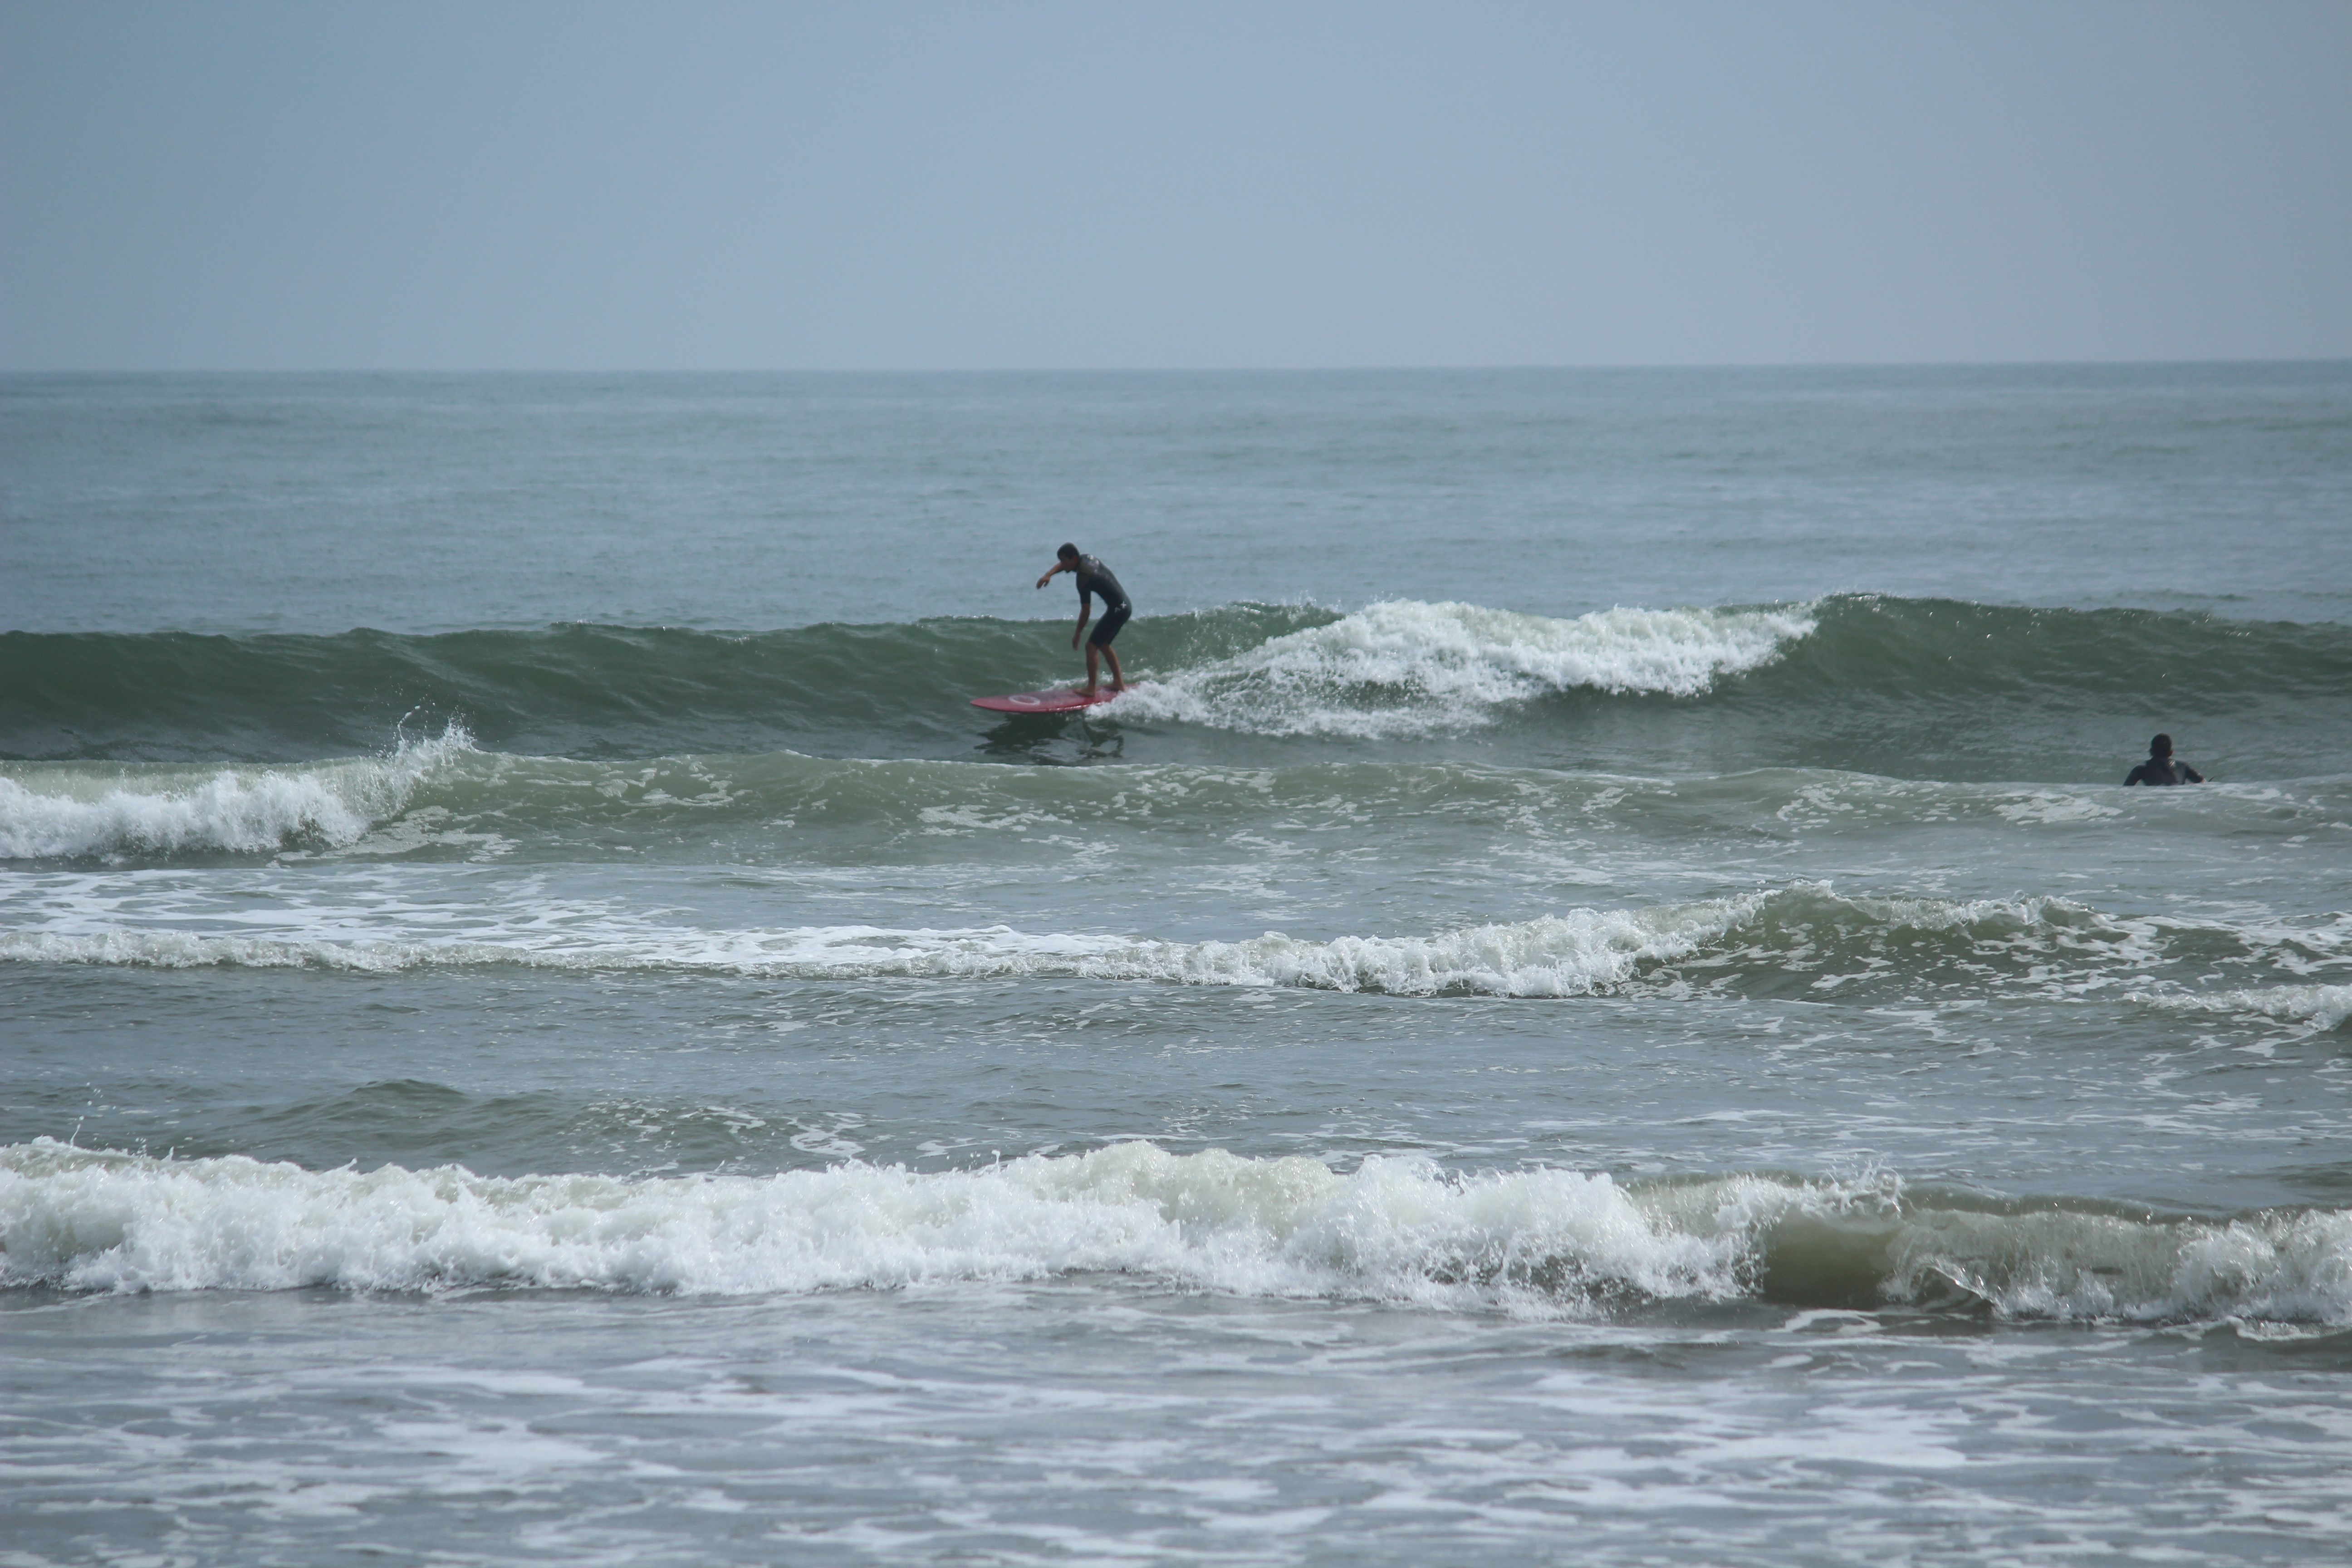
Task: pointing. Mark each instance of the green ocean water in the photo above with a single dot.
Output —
(1602, 996)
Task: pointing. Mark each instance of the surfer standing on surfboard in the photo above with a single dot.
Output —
(1094, 577)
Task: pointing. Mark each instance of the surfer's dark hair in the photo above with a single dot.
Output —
(1067, 552)
(2160, 747)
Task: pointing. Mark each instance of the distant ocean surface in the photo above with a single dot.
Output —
(1602, 1000)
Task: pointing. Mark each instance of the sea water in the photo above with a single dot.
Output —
(1600, 1000)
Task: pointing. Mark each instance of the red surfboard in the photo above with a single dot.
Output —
(1061, 700)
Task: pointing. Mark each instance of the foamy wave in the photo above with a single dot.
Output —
(1404, 666)
(2058, 1263)
(2321, 1006)
(1804, 940)
(1400, 1229)
(1569, 954)
(52, 812)
(1288, 1226)
(1843, 1244)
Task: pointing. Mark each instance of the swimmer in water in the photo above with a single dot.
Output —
(2161, 769)
(1094, 577)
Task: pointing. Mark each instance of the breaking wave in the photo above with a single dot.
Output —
(1542, 1241)
(1571, 955)
(161, 811)
(1882, 684)
(1403, 667)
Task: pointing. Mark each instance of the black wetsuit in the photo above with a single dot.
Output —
(1094, 577)
(2163, 770)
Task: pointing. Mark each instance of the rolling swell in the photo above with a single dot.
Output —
(573, 691)
(1969, 691)
(1902, 687)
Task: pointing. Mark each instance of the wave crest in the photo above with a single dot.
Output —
(1403, 667)
(179, 810)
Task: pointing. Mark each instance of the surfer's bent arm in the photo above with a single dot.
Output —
(1057, 566)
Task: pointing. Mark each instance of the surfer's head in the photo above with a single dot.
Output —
(1067, 552)
(2160, 747)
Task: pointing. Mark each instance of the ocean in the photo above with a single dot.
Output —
(1600, 1001)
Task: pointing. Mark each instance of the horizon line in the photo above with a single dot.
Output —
(16, 372)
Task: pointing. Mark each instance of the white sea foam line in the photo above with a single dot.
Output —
(1262, 1226)
(1403, 665)
(1554, 955)
(2321, 1006)
(1541, 1240)
(2053, 806)
(69, 813)
(145, 918)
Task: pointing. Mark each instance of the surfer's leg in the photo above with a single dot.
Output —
(1106, 629)
(1094, 668)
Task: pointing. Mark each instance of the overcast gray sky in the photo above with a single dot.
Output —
(531, 186)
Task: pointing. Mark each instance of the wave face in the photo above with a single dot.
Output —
(579, 691)
(1540, 1241)
(1905, 687)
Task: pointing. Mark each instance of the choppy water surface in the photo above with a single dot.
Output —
(1601, 999)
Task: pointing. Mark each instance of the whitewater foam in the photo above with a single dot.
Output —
(1540, 1241)
(50, 811)
(1571, 955)
(1403, 667)
(1804, 940)
(2322, 1007)
(1397, 1229)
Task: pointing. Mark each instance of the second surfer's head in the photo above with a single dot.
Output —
(2160, 747)
(1067, 552)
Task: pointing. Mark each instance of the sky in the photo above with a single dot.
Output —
(694, 185)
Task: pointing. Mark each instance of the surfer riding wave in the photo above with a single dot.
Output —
(1094, 578)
